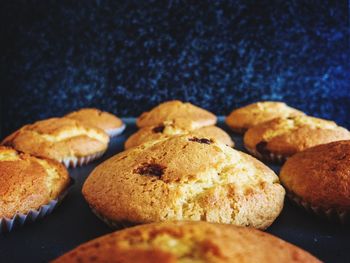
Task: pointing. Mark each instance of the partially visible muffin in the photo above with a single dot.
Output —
(106, 121)
(171, 242)
(184, 178)
(319, 179)
(65, 140)
(241, 119)
(187, 115)
(27, 182)
(280, 138)
(168, 129)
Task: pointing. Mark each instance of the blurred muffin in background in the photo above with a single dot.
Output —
(186, 114)
(106, 121)
(280, 138)
(241, 119)
(63, 139)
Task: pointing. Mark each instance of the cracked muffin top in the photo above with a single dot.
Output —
(287, 136)
(101, 119)
(185, 178)
(58, 138)
(27, 182)
(241, 119)
(184, 242)
(168, 129)
(186, 115)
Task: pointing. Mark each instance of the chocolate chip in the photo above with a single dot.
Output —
(201, 140)
(261, 147)
(150, 169)
(158, 129)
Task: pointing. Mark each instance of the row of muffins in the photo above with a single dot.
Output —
(33, 176)
(177, 176)
(166, 175)
(75, 139)
(197, 175)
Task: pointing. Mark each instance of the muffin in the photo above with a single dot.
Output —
(184, 178)
(111, 124)
(280, 138)
(168, 129)
(240, 120)
(319, 179)
(65, 140)
(171, 242)
(28, 183)
(187, 115)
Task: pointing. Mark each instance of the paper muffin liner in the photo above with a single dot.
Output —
(271, 157)
(72, 162)
(332, 214)
(116, 131)
(111, 223)
(19, 219)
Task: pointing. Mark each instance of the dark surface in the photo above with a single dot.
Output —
(127, 56)
(73, 223)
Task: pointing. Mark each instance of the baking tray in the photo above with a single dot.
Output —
(73, 223)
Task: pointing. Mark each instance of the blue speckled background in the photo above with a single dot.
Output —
(127, 56)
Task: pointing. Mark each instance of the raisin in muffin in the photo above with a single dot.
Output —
(184, 178)
(187, 115)
(168, 129)
(241, 119)
(319, 179)
(65, 140)
(280, 138)
(200, 242)
(106, 121)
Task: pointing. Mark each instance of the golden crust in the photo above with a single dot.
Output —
(187, 115)
(240, 120)
(58, 138)
(320, 175)
(27, 182)
(198, 242)
(168, 129)
(94, 117)
(185, 178)
(287, 136)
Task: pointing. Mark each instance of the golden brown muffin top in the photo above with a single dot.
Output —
(27, 182)
(186, 115)
(293, 134)
(185, 178)
(186, 242)
(94, 117)
(58, 138)
(320, 175)
(248, 116)
(169, 128)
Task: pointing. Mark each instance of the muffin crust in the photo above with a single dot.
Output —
(184, 242)
(58, 138)
(100, 119)
(168, 129)
(241, 119)
(185, 178)
(287, 136)
(186, 115)
(27, 182)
